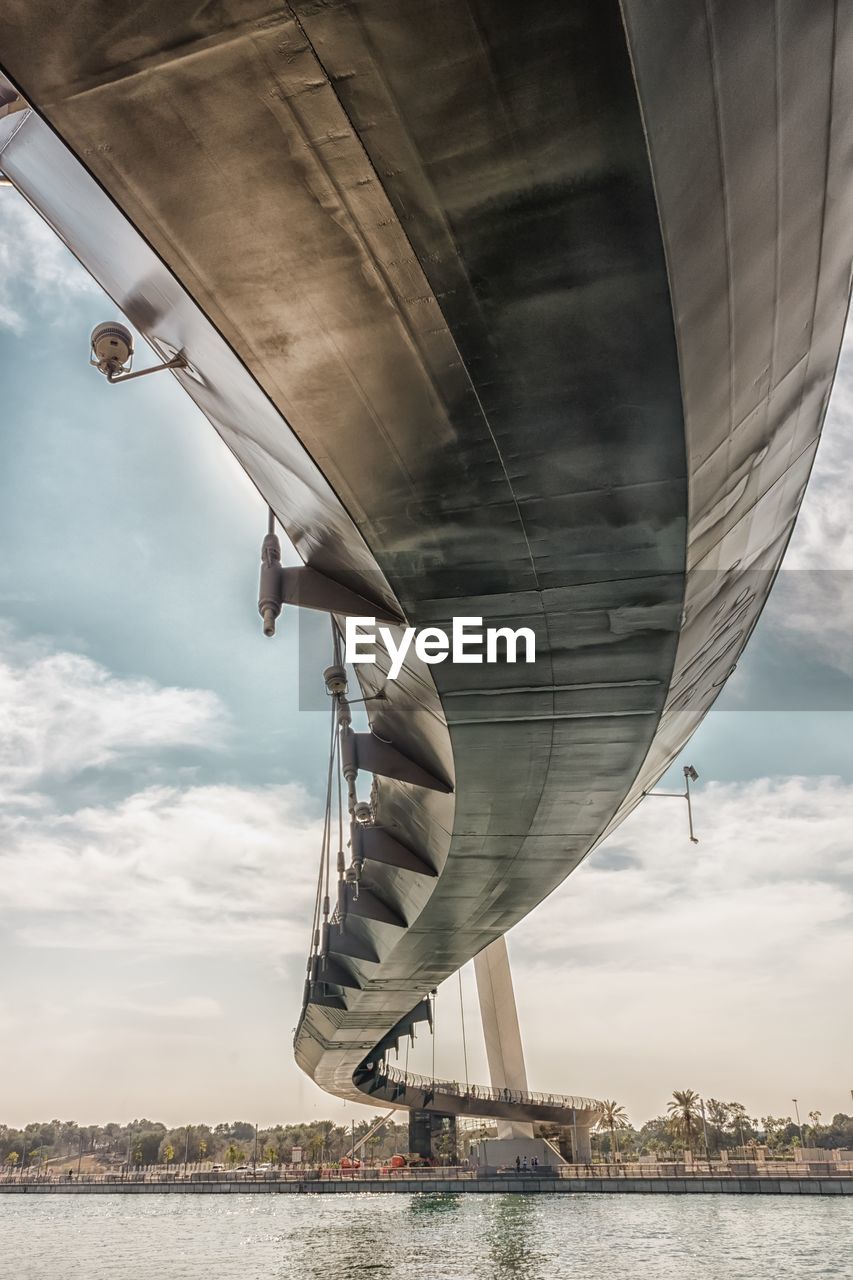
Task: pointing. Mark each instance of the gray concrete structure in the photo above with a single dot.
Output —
(497, 1153)
(497, 1185)
(528, 313)
(499, 1015)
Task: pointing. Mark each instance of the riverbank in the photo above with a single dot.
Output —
(499, 1185)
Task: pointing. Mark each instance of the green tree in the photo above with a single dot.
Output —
(719, 1118)
(168, 1153)
(12, 1158)
(613, 1117)
(656, 1137)
(241, 1130)
(741, 1126)
(444, 1144)
(202, 1148)
(234, 1155)
(774, 1130)
(684, 1115)
(148, 1141)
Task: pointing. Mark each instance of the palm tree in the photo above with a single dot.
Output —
(613, 1117)
(719, 1117)
(684, 1116)
(739, 1118)
(325, 1129)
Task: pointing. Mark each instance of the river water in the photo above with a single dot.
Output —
(437, 1237)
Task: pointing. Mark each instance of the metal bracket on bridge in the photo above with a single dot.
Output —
(422, 1012)
(314, 994)
(306, 588)
(359, 901)
(346, 944)
(327, 969)
(377, 845)
(367, 752)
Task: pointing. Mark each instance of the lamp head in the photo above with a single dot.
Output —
(112, 348)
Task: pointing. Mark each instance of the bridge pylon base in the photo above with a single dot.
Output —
(432, 1136)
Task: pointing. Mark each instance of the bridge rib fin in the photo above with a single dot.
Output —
(306, 588)
(376, 844)
(344, 943)
(328, 1000)
(331, 970)
(369, 906)
(375, 756)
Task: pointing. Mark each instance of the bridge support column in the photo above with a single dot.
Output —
(575, 1143)
(502, 1033)
(432, 1135)
(581, 1144)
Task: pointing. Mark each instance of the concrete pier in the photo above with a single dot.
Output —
(499, 1185)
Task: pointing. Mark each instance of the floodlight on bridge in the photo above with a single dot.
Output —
(690, 775)
(363, 813)
(335, 679)
(112, 353)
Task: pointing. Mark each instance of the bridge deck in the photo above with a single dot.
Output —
(519, 312)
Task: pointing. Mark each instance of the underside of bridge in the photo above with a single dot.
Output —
(522, 312)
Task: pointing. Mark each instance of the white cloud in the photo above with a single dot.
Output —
(774, 865)
(824, 534)
(813, 597)
(205, 869)
(166, 868)
(184, 1009)
(36, 270)
(61, 713)
(726, 963)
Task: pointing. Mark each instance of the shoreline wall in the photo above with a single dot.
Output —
(469, 1186)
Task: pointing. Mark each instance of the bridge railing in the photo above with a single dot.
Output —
(485, 1093)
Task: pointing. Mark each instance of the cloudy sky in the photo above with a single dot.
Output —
(159, 793)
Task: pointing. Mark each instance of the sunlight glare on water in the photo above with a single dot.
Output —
(440, 1237)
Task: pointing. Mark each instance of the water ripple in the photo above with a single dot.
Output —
(439, 1237)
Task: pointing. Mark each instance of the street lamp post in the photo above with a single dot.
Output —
(799, 1125)
(705, 1134)
(690, 775)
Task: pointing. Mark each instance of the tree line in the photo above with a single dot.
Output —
(690, 1123)
(141, 1142)
(144, 1142)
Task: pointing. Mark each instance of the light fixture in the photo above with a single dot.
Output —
(112, 353)
(690, 775)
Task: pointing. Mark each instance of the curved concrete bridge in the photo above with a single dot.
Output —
(448, 1097)
(528, 313)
